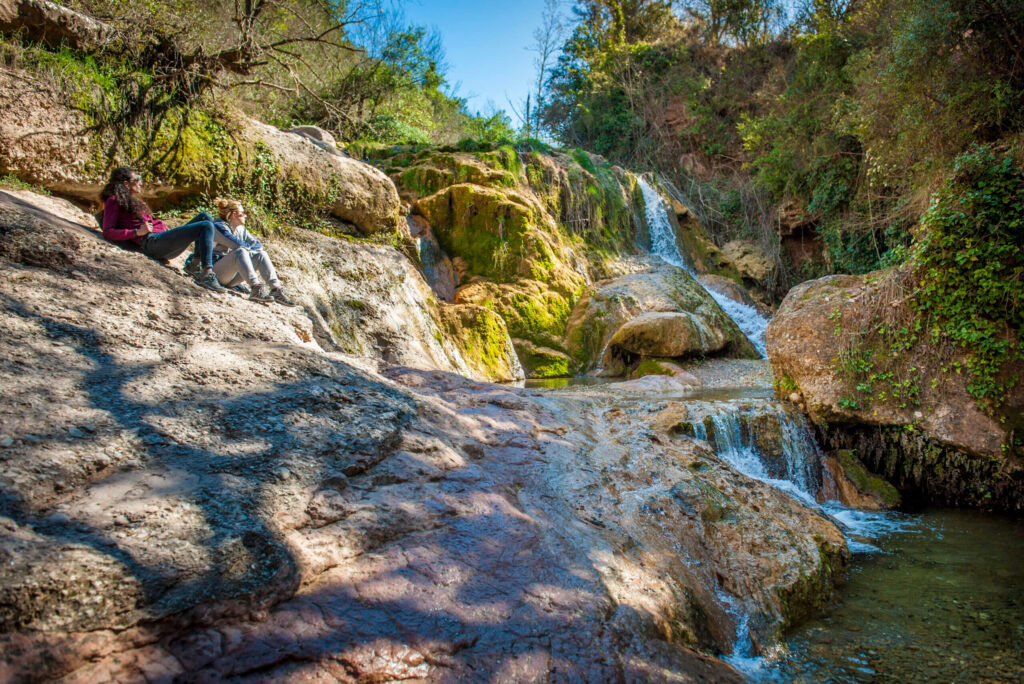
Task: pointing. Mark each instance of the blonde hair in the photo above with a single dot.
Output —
(226, 207)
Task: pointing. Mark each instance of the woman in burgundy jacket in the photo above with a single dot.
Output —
(126, 217)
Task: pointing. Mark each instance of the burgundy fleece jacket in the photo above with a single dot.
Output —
(119, 225)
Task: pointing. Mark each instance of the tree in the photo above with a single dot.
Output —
(741, 22)
(547, 40)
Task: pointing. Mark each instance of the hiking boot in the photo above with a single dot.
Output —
(260, 293)
(242, 289)
(210, 282)
(193, 266)
(281, 297)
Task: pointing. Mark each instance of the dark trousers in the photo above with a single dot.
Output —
(170, 243)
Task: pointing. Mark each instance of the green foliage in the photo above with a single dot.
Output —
(9, 182)
(970, 269)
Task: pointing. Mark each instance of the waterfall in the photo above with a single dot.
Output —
(798, 469)
(792, 463)
(663, 246)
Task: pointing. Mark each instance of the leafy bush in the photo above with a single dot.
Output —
(970, 268)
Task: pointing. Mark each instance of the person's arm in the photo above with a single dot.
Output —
(111, 223)
(249, 239)
(225, 237)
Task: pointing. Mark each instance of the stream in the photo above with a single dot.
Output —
(936, 595)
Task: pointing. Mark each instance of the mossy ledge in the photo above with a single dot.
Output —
(928, 472)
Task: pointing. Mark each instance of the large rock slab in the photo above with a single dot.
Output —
(666, 334)
(939, 442)
(600, 332)
(362, 194)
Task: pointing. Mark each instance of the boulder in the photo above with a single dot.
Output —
(856, 487)
(665, 334)
(362, 194)
(658, 384)
(930, 436)
(665, 367)
(749, 259)
(597, 318)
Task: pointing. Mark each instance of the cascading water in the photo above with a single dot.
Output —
(663, 245)
(793, 463)
(797, 470)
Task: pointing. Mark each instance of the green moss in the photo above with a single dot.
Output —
(425, 180)
(541, 362)
(482, 337)
(684, 428)
(9, 182)
(937, 473)
(866, 482)
(786, 385)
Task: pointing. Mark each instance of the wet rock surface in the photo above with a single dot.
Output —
(194, 488)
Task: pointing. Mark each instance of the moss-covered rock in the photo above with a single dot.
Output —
(531, 309)
(655, 367)
(867, 484)
(501, 235)
(542, 362)
(903, 407)
(598, 317)
(481, 336)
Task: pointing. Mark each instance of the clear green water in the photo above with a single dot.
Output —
(942, 602)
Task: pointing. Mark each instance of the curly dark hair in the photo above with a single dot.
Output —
(117, 187)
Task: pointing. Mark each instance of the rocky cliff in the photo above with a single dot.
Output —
(537, 235)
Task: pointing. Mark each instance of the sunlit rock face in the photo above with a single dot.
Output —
(662, 312)
(199, 487)
(940, 445)
(42, 142)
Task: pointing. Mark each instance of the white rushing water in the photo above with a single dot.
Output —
(801, 474)
(663, 246)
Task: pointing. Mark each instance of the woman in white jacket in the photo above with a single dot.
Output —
(242, 257)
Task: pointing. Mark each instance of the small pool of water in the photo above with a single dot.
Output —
(943, 600)
(688, 394)
(576, 381)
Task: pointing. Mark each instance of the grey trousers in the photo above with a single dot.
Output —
(241, 265)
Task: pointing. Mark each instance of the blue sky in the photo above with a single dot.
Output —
(486, 44)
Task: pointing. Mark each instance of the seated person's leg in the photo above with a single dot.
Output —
(171, 243)
(234, 268)
(266, 267)
(262, 261)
